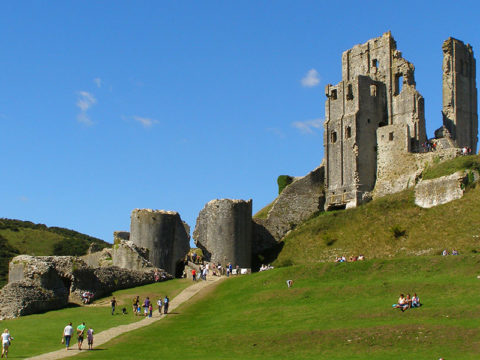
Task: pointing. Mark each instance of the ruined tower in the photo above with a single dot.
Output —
(377, 90)
(224, 232)
(164, 234)
(460, 93)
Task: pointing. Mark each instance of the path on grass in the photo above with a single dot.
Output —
(107, 335)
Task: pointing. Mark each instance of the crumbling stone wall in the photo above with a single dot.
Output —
(224, 232)
(127, 255)
(460, 93)
(429, 193)
(50, 282)
(165, 236)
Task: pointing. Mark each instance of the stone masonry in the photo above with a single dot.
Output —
(374, 118)
(164, 234)
(224, 232)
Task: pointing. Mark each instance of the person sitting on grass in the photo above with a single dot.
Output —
(415, 301)
(402, 304)
(408, 301)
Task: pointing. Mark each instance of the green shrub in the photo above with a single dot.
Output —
(283, 181)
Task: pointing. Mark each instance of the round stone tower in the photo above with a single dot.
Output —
(224, 232)
(165, 236)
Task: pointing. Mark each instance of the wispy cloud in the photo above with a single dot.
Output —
(98, 82)
(146, 122)
(308, 126)
(85, 101)
(277, 132)
(23, 198)
(311, 79)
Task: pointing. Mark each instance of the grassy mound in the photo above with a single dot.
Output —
(387, 227)
(451, 166)
(333, 311)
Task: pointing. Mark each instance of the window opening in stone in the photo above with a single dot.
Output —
(373, 90)
(398, 83)
(348, 132)
(349, 92)
(333, 95)
(333, 137)
(375, 63)
(368, 121)
(390, 136)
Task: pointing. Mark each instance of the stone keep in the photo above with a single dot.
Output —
(165, 236)
(375, 116)
(377, 89)
(460, 93)
(224, 232)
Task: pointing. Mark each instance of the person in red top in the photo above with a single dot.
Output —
(194, 275)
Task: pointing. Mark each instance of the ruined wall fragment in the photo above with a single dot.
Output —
(165, 236)
(224, 232)
(460, 116)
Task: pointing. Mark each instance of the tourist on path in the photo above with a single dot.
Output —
(135, 302)
(6, 339)
(80, 334)
(114, 303)
(67, 334)
(166, 301)
(90, 338)
(159, 304)
(194, 275)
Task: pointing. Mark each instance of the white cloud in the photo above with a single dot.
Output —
(146, 122)
(311, 79)
(98, 82)
(308, 126)
(84, 102)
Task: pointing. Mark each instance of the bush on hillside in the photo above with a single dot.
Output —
(283, 181)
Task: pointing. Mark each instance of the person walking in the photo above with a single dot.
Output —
(67, 334)
(114, 303)
(6, 341)
(135, 302)
(159, 304)
(90, 338)
(194, 275)
(80, 335)
(166, 302)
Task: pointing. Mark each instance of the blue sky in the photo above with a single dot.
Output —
(107, 106)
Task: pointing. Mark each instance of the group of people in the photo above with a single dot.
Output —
(466, 151)
(350, 259)
(6, 341)
(265, 267)
(81, 332)
(407, 302)
(87, 297)
(147, 306)
(445, 252)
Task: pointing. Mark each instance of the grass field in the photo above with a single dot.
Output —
(40, 333)
(333, 311)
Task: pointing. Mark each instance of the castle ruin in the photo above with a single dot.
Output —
(376, 111)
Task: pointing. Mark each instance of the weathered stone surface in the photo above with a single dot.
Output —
(127, 255)
(224, 232)
(429, 193)
(375, 126)
(99, 258)
(460, 93)
(50, 282)
(164, 234)
(296, 203)
(120, 235)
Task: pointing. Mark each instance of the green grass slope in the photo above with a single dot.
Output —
(333, 311)
(25, 237)
(387, 227)
(41, 333)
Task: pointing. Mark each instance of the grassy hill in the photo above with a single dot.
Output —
(391, 226)
(25, 237)
(333, 311)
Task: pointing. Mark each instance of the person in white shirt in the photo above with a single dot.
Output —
(67, 334)
(6, 339)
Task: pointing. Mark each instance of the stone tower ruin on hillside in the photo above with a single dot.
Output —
(376, 110)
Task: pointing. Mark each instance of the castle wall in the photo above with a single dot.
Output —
(224, 232)
(460, 93)
(163, 234)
